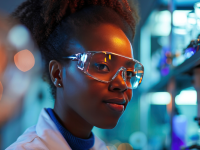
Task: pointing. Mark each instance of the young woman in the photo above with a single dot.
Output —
(88, 56)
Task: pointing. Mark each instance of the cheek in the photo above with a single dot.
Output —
(74, 81)
(129, 94)
(82, 89)
(84, 95)
(97, 89)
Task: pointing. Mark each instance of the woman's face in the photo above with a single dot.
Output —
(88, 97)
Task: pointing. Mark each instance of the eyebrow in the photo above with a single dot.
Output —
(129, 63)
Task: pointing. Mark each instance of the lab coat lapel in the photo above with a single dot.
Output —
(53, 139)
(50, 135)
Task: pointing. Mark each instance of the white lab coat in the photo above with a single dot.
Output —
(46, 136)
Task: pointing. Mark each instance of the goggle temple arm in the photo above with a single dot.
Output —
(74, 57)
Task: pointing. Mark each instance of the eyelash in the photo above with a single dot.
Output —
(98, 66)
(133, 74)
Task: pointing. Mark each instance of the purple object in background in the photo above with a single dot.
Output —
(189, 52)
(165, 71)
(179, 132)
(163, 64)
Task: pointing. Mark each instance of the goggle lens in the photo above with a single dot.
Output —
(105, 66)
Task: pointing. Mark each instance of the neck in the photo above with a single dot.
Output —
(72, 121)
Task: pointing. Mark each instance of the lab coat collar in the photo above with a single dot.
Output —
(50, 135)
(53, 139)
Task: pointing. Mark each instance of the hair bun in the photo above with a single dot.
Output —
(42, 16)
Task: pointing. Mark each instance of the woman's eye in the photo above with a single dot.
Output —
(130, 74)
(102, 67)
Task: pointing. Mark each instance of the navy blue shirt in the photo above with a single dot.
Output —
(74, 142)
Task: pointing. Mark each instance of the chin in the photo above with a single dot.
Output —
(107, 124)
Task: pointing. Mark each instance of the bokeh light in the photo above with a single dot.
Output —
(116, 143)
(138, 140)
(1, 90)
(24, 60)
(125, 146)
(108, 147)
(19, 36)
(111, 147)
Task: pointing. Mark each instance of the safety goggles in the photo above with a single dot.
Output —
(106, 66)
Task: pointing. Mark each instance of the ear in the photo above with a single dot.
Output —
(55, 70)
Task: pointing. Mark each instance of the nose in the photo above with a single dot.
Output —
(118, 84)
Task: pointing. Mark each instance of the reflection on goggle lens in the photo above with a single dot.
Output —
(106, 66)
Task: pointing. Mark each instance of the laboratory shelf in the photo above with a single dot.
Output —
(182, 75)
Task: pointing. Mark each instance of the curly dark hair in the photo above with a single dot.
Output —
(53, 23)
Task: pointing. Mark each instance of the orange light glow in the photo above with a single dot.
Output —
(140, 80)
(108, 147)
(109, 57)
(139, 71)
(3, 59)
(118, 41)
(1, 90)
(125, 146)
(24, 60)
(178, 54)
(169, 106)
(105, 59)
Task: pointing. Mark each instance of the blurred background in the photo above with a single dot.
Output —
(163, 114)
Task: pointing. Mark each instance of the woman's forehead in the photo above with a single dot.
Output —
(105, 37)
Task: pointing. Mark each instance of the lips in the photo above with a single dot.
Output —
(116, 104)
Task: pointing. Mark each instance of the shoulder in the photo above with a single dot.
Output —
(29, 140)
